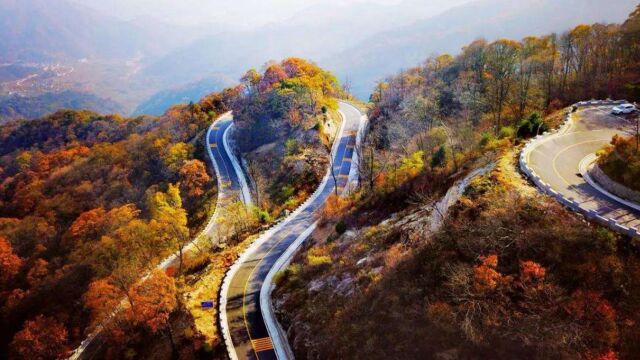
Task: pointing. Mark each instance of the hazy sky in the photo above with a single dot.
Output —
(239, 12)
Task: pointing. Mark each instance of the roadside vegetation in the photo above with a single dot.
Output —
(621, 161)
(89, 203)
(511, 274)
(305, 95)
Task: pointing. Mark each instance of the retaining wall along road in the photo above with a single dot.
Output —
(590, 214)
(612, 186)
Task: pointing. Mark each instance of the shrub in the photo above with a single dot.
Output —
(196, 264)
(621, 162)
(263, 216)
(506, 132)
(290, 275)
(532, 126)
(286, 192)
(486, 139)
(322, 260)
(292, 146)
(439, 158)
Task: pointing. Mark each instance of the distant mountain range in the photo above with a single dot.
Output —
(362, 41)
(365, 42)
(161, 101)
(16, 107)
(56, 30)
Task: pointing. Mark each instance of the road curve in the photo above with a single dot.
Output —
(232, 186)
(557, 160)
(245, 322)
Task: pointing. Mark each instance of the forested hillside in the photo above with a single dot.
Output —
(372, 58)
(510, 273)
(286, 119)
(501, 82)
(89, 203)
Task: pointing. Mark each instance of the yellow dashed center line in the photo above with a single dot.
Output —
(555, 167)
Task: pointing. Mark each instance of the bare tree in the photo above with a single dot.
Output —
(372, 162)
(257, 180)
(452, 144)
(327, 148)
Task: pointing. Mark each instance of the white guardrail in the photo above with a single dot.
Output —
(590, 214)
(281, 345)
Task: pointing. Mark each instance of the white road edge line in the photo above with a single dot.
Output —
(246, 195)
(278, 336)
(535, 142)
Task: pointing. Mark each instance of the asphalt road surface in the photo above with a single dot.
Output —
(229, 184)
(557, 161)
(246, 323)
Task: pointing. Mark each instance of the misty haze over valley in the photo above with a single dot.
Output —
(146, 55)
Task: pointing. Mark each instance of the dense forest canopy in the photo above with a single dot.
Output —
(281, 116)
(89, 202)
(498, 84)
(286, 96)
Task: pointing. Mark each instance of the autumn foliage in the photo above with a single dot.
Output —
(510, 275)
(9, 263)
(279, 119)
(41, 338)
(621, 161)
(89, 203)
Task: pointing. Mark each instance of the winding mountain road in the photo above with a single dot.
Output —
(557, 161)
(246, 324)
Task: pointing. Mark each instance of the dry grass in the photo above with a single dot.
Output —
(555, 119)
(506, 172)
(206, 288)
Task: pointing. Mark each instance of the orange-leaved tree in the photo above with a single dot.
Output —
(193, 178)
(9, 262)
(40, 338)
